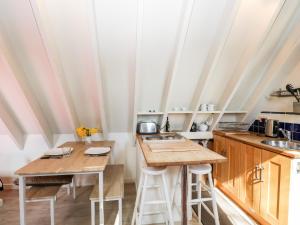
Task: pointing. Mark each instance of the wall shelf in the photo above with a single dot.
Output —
(149, 113)
(235, 112)
(180, 112)
(208, 112)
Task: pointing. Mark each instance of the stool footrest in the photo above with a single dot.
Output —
(152, 213)
(152, 187)
(155, 202)
(197, 201)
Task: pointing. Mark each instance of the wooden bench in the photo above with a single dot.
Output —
(68, 180)
(44, 193)
(113, 189)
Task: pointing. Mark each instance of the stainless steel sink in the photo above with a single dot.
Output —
(163, 138)
(288, 145)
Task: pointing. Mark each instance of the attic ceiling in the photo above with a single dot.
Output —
(67, 63)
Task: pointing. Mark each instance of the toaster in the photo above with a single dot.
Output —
(147, 128)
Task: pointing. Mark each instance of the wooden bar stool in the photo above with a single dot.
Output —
(140, 202)
(199, 170)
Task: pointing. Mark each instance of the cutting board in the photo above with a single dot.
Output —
(174, 147)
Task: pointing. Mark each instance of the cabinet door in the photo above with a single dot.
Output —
(233, 149)
(249, 180)
(275, 187)
(219, 147)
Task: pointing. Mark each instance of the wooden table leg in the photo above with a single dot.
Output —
(184, 196)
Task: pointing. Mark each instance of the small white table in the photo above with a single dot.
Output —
(76, 163)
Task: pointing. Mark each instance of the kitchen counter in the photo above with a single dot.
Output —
(255, 140)
(173, 157)
(176, 156)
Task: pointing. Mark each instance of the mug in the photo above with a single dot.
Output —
(211, 107)
(203, 107)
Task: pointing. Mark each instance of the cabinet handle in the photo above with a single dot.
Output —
(261, 179)
(256, 172)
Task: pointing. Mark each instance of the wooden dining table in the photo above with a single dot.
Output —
(181, 154)
(75, 163)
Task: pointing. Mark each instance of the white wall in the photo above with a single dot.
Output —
(11, 158)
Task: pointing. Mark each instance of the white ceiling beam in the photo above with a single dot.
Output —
(15, 130)
(54, 60)
(18, 72)
(289, 17)
(246, 64)
(180, 41)
(97, 60)
(270, 81)
(276, 66)
(138, 58)
(214, 54)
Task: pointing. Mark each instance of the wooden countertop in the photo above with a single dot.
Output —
(253, 139)
(77, 162)
(177, 158)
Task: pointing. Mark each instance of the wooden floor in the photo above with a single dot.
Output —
(77, 212)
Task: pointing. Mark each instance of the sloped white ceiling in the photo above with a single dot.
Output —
(64, 63)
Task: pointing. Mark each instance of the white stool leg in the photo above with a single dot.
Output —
(145, 183)
(74, 187)
(137, 200)
(167, 197)
(199, 196)
(178, 175)
(120, 211)
(161, 195)
(189, 195)
(214, 200)
(52, 211)
(93, 213)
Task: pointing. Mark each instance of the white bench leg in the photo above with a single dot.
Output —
(120, 211)
(167, 197)
(93, 213)
(214, 200)
(137, 200)
(68, 189)
(52, 211)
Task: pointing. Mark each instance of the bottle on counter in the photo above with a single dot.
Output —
(167, 125)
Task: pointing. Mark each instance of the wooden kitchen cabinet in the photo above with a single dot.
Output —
(256, 179)
(275, 187)
(233, 149)
(249, 180)
(220, 168)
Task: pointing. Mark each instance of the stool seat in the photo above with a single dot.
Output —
(154, 171)
(200, 169)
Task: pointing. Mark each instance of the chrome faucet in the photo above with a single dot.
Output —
(286, 133)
